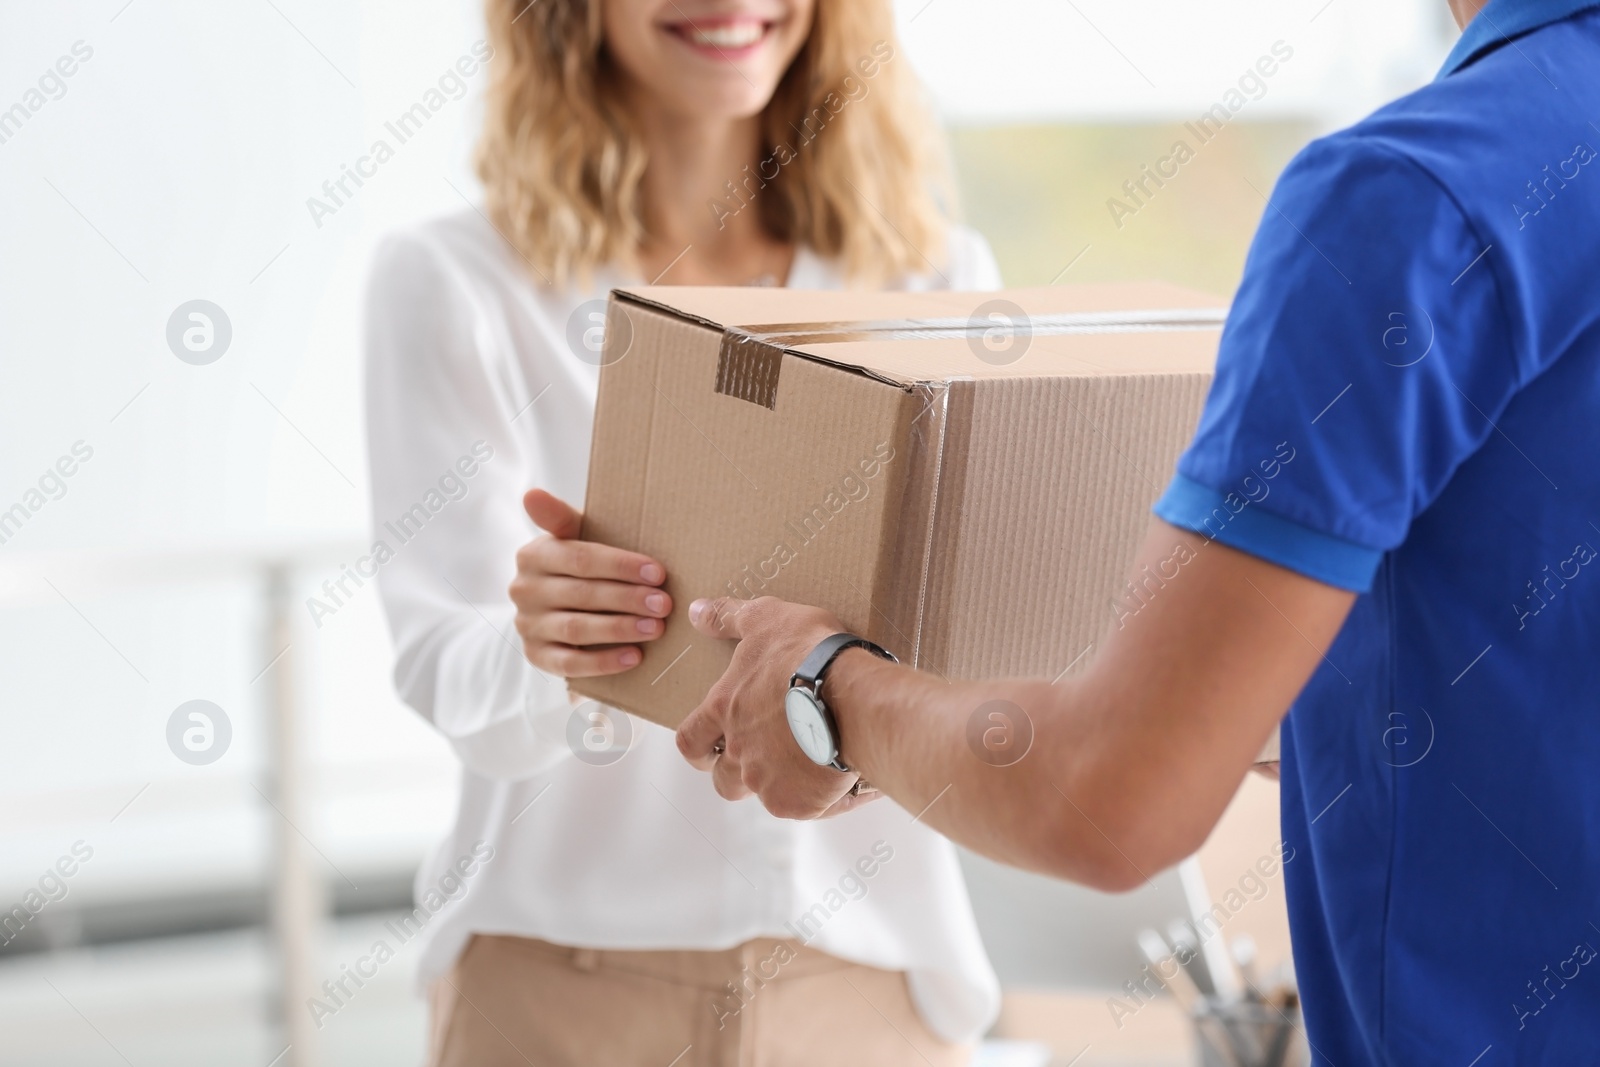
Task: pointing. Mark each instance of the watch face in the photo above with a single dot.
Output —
(809, 727)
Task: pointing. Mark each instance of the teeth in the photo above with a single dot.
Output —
(733, 35)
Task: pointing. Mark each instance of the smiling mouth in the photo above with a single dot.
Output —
(728, 38)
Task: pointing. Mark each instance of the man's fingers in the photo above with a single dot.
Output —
(552, 514)
(727, 779)
(700, 734)
(849, 802)
(718, 617)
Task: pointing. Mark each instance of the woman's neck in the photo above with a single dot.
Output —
(694, 235)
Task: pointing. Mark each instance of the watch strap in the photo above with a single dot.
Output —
(815, 666)
(811, 673)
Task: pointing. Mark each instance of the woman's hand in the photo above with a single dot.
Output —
(582, 607)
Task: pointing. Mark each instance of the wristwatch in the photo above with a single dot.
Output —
(810, 720)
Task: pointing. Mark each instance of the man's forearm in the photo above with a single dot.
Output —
(1027, 802)
(1104, 777)
(1133, 758)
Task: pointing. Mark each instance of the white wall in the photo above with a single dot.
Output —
(1137, 60)
(175, 165)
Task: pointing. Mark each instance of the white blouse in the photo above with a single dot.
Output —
(475, 393)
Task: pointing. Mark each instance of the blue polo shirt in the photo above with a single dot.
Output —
(1407, 405)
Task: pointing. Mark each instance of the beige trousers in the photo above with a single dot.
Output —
(513, 1001)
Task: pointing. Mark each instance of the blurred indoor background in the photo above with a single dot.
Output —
(209, 501)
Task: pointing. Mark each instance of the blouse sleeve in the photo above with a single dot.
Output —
(448, 473)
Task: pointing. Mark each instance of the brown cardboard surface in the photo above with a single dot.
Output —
(852, 450)
(710, 484)
(1057, 476)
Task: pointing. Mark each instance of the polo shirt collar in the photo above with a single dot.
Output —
(1502, 20)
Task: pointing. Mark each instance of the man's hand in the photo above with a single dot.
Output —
(582, 606)
(740, 732)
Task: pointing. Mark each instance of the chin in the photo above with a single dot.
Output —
(737, 102)
(723, 95)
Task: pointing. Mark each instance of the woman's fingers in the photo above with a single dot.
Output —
(552, 514)
(588, 559)
(583, 606)
(569, 662)
(580, 628)
(578, 594)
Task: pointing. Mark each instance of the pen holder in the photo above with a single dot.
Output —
(1248, 1033)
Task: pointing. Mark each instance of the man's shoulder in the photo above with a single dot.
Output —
(1485, 132)
(1494, 167)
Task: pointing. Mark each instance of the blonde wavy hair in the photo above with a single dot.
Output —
(561, 159)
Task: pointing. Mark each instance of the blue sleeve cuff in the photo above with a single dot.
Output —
(1328, 559)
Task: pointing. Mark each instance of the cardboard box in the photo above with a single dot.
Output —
(962, 477)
